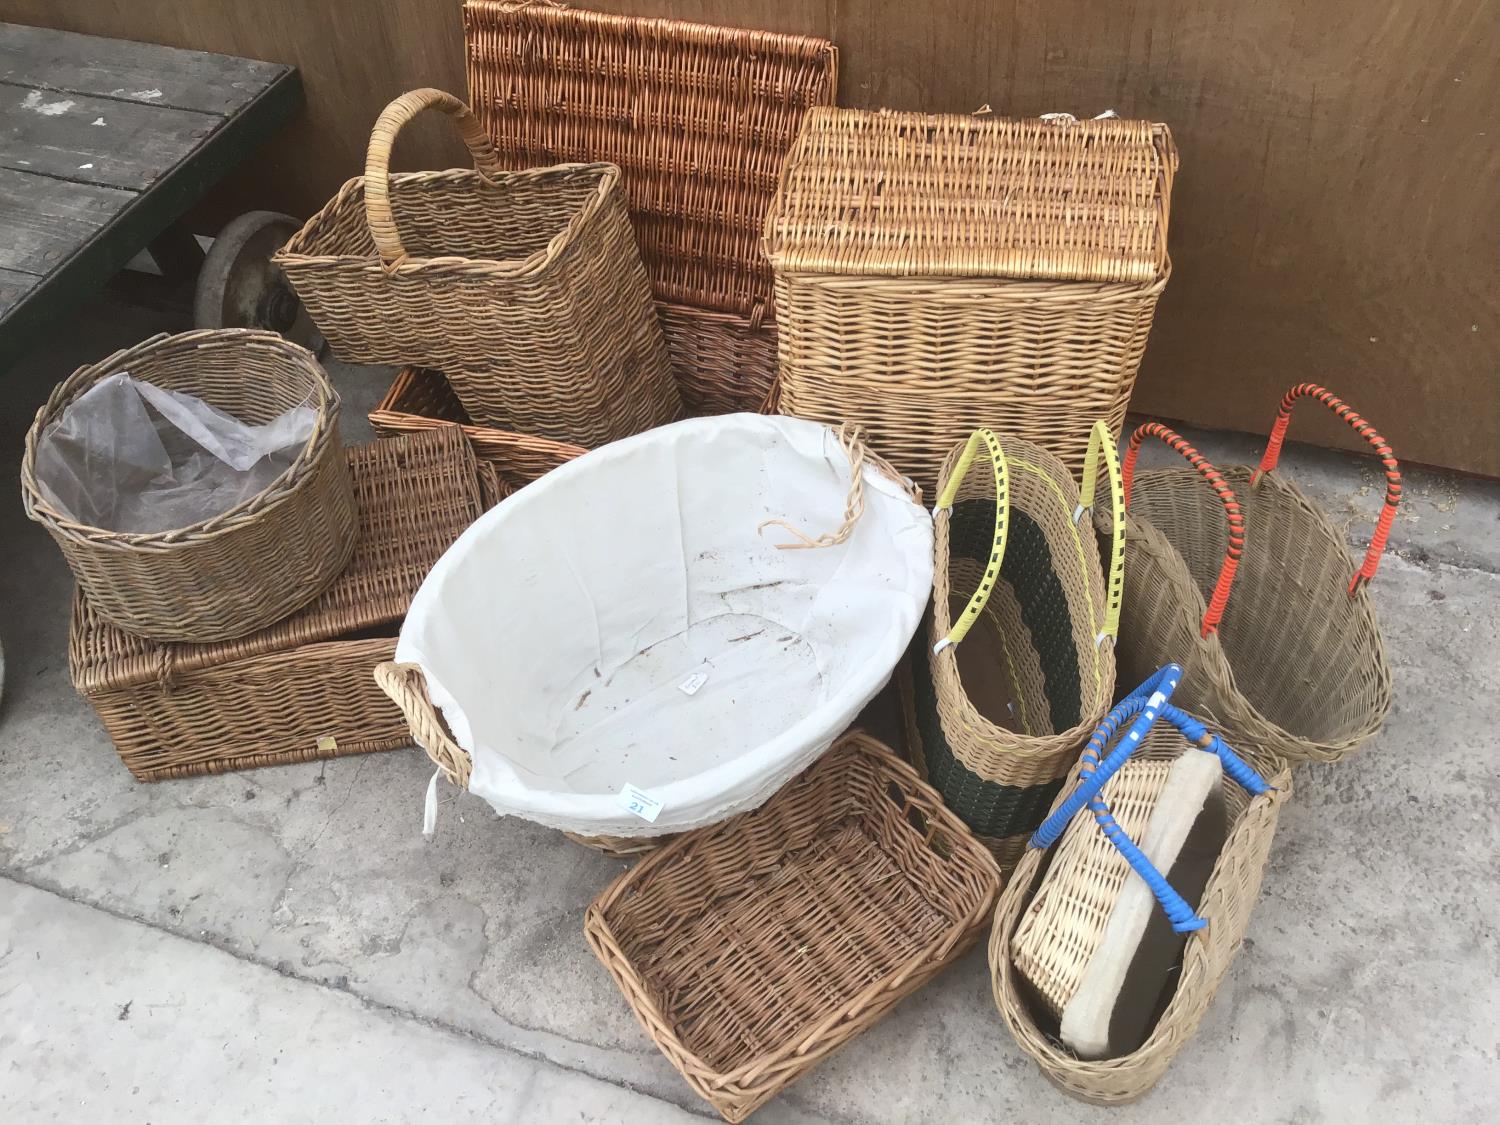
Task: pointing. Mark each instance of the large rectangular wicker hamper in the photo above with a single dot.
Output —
(698, 118)
(303, 688)
(753, 949)
(938, 273)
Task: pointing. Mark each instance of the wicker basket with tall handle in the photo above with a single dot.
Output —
(999, 718)
(525, 287)
(1292, 663)
(246, 567)
(1054, 918)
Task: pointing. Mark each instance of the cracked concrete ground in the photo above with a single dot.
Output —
(290, 946)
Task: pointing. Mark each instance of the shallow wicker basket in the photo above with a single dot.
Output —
(525, 287)
(753, 949)
(934, 273)
(301, 689)
(246, 567)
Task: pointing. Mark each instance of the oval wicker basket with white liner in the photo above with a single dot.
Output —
(631, 622)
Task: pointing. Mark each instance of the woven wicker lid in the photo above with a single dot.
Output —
(415, 495)
(891, 194)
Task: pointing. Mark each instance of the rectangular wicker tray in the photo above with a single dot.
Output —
(751, 950)
(303, 688)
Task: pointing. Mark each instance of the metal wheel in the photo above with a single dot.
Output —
(239, 287)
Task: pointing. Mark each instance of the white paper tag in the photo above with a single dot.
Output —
(641, 803)
(691, 685)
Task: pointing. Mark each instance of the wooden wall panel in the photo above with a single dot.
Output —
(1336, 216)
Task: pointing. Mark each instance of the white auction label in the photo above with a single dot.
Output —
(641, 803)
(691, 685)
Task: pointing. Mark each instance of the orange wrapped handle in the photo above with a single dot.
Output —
(1176, 442)
(1364, 430)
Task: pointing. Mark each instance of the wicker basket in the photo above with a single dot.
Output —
(301, 689)
(698, 118)
(525, 287)
(1001, 716)
(246, 567)
(1053, 915)
(1296, 667)
(753, 949)
(723, 362)
(934, 273)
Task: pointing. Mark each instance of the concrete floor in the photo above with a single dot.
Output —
(284, 945)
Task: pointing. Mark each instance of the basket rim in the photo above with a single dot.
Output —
(854, 742)
(296, 254)
(281, 490)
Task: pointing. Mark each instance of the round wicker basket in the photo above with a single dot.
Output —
(248, 566)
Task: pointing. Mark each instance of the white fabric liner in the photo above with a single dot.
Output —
(564, 635)
(1191, 782)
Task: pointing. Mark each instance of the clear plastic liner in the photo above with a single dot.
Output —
(132, 457)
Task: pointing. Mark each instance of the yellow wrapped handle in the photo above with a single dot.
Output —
(981, 596)
(1102, 443)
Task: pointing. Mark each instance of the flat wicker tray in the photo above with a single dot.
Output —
(698, 118)
(753, 949)
(303, 688)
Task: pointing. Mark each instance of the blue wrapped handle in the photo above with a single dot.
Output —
(1144, 706)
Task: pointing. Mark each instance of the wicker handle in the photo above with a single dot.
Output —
(945, 501)
(407, 687)
(1102, 447)
(852, 439)
(378, 160)
(1226, 496)
(1145, 705)
(1382, 450)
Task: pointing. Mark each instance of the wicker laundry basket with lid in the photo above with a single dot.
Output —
(698, 118)
(938, 272)
(525, 287)
(248, 566)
